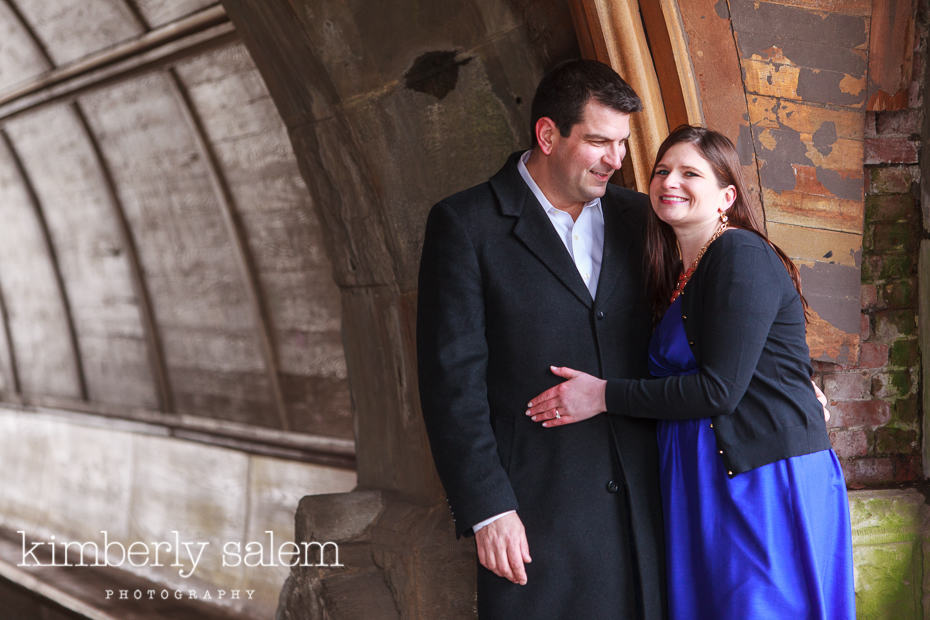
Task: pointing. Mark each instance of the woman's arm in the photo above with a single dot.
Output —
(739, 300)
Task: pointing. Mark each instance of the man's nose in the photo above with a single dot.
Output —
(614, 156)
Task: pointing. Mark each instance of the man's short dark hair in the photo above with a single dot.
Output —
(565, 90)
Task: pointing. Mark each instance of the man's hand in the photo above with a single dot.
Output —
(502, 548)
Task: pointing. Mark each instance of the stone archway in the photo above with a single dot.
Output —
(390, 109)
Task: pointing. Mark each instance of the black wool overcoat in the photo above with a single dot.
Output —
(500, 300)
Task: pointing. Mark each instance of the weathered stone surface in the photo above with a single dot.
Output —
(890, 150)
(140, 487)
(895, 441)
(889, 533)
(888, 206)
(846, 386)
(70, 31)
(380, 352)
(403, 553)
(38, 322)
(158, 12)
(850, 443)
(21, 59)
(368, 111)
(923, 307)
(342, 517)
(202, 508)
(275, 490)
(855, 413)
(59, 159)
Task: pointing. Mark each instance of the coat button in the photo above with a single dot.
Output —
(719, 451)
(730, 473)
(600, 314)
(712, 425)
(684, 317)
(691, 342)
(612, 486)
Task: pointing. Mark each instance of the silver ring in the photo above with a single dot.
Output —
(557, 414)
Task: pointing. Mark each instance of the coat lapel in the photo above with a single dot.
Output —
(535, 230)
(612, 260)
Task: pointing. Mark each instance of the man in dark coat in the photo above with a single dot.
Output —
(541, 266)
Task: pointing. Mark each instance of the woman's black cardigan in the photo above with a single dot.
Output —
(745, 324)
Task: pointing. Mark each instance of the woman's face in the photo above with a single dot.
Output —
(684, 191)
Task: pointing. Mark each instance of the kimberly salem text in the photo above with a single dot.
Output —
(185, 555)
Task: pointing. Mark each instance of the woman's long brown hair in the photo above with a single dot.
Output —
(661, 254)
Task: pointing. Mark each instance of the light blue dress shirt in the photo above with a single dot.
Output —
(583, 238)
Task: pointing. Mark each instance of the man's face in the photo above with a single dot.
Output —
(584, 161)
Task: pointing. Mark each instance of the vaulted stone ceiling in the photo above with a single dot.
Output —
(160, 258)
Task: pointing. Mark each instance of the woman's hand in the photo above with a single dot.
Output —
(579, 398)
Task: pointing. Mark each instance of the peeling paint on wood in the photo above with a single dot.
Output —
(804, 71)
(803, 243)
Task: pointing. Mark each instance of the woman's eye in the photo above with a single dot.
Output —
(661, 172)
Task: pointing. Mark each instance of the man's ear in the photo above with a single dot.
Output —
(546, 134)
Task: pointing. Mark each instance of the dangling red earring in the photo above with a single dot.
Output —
(723, 216)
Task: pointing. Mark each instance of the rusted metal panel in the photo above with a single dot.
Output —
(804, 66)
(811, 162)
(847, 7)
(772, 113)
(813, 210)
(717, 69)
(891, 54)
(802, 54)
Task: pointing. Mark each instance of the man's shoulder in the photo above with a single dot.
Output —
(629, 204)
(623, 198)
(473, 197)
(485, 197)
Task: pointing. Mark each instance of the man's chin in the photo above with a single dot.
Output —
(597, 191)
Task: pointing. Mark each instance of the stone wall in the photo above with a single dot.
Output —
(80, 478)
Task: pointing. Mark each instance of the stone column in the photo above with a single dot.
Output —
(390, 107)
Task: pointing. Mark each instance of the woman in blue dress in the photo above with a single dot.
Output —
(756, 513)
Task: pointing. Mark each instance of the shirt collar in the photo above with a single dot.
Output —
(528, 178)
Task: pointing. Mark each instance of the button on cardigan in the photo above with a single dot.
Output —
(746, 330)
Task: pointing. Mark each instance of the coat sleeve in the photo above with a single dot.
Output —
(740, 298)
(452, 354)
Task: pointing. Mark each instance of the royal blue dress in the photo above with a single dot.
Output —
(773, 542)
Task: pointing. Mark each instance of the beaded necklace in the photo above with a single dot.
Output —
(687, 273)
